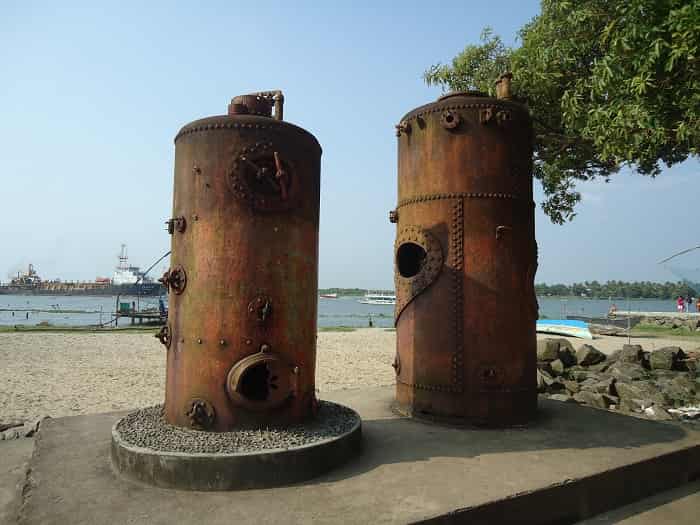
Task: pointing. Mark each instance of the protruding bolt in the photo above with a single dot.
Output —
(403, 127)
(450, 119)
(199, 341)
(222, 342)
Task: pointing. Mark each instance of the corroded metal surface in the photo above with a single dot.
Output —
(465, 260)
(241, 336)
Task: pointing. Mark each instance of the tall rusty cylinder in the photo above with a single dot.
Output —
(465, 261)
(241, 332)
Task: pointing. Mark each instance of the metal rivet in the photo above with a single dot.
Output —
(199, 341)
(222, 342)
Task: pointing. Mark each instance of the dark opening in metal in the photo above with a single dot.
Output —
(410, 258)
(255, 383)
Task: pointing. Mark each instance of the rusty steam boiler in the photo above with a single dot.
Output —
(465, 261)
(241, 332)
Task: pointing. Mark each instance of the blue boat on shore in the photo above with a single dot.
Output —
(565, 327)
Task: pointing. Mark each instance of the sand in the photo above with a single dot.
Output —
(62, 374)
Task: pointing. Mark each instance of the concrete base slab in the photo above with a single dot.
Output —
(262, 468)
(572, 463)
(679, 506)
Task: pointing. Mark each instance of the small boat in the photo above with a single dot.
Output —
(328, 296)
(378, 298)
(566, 327)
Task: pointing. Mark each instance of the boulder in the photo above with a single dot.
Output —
(691, 364)
(593, 399)
(602, 366)
(663, 374)
(657, 413)
(547, 379)
(557, 367)
(562, 397)
(686, 412)
(567, 354)
(630, 354)
(647, 393)
(571, 386)
(588, 355)
(556, 387)
(602, 386)
(634, 405)
(578, 373)
(544, 365)
(678, 391)
(547, 349)
(665, 358)
(565, 343)
(627, 371)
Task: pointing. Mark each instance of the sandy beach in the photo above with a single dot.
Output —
(63, 374)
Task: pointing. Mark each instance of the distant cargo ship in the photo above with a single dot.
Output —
(127, 280)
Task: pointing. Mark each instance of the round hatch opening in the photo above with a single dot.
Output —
(410, 258)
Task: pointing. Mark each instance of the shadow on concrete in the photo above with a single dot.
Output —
(559, 426)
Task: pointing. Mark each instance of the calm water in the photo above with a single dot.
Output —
(344, 311)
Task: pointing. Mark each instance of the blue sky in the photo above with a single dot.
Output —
(92, 95)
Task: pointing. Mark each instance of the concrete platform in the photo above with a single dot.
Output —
(679, 506)
(571, 464)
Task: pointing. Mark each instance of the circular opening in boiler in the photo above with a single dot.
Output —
(410, 258)
(255, 383)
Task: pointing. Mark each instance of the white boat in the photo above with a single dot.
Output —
(125, 273)
(566, 327)
(328, 296)
(378, 298)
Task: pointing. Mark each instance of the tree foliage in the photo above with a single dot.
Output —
(618, 289)
(609, 83)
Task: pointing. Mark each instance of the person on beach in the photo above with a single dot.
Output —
(688, 301)
(613, 310)
(680, 303)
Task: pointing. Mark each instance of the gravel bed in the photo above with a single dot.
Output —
(147, 428)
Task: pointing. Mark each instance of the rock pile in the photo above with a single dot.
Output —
(687, 322)
(19, 429)
(630, 380)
